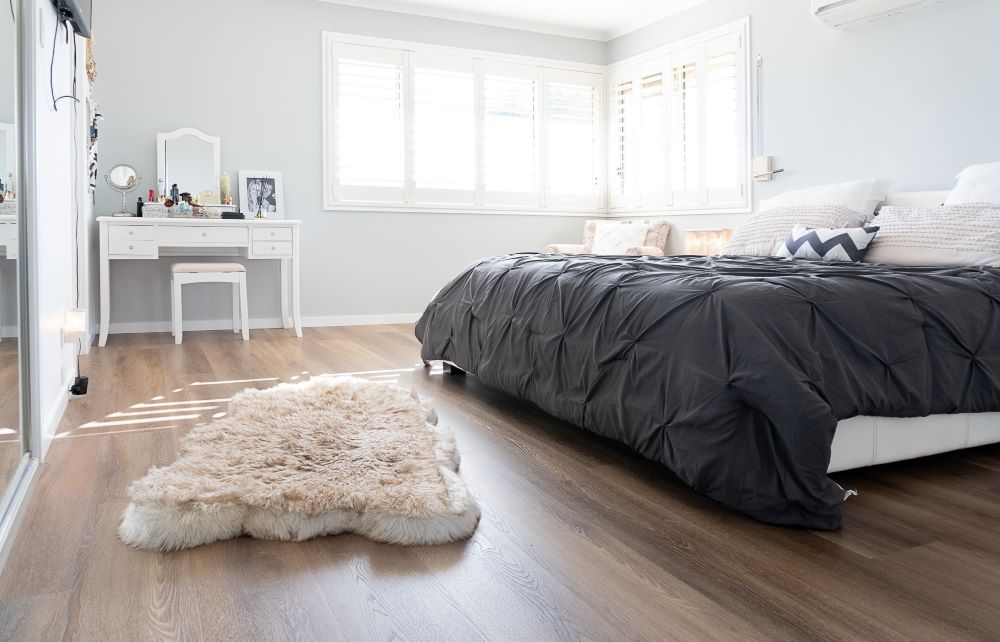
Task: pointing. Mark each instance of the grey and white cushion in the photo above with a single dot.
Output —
(956, 235)
(845, 244)
(764, 233)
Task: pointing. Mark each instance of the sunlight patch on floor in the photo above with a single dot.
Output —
(233, 381)
(71, 434)
(180, 403)
(133, 422)
(160, 411)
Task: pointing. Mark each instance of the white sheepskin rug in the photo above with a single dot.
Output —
(331, 455)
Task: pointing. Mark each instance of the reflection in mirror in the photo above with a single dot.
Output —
(11, 444)
(189, 159)
(123, 179)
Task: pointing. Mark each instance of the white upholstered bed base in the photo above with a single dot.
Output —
(866, 441)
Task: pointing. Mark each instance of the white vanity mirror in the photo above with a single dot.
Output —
(190, 159)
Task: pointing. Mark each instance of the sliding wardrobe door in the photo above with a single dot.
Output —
(12, 444)
(17, 468)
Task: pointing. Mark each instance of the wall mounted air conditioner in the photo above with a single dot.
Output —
(849, 13)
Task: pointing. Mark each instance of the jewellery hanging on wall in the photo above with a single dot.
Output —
(91, 63)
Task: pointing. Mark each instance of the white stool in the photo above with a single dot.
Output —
(184, 273)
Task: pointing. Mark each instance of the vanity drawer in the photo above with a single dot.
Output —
(171, 235)
(125, 247)
(276, 248)
(130, 232)
(272, 233)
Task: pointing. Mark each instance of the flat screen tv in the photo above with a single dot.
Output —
(78, 12)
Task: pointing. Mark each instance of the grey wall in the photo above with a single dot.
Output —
(250, 72)
(912, 98)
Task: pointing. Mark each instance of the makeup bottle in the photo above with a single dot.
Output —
(138, 207)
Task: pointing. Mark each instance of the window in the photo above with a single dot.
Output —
(572, 117)
(510, 134)
(678, 139)
(620, 165)
(412, 126)
(444, 130)
(409, 126)
(368, 139)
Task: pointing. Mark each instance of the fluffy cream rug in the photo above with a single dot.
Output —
(295, 461)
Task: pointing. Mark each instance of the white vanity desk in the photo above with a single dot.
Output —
(8, 235)
(129, 238)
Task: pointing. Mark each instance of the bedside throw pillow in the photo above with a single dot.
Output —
(625, 237)
(764, 233)
(958, 235)
(976, 184)
(845, 244)
(858, 196)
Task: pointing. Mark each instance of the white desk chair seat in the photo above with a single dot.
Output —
(184, 273)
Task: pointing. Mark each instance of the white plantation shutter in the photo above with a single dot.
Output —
(444, 129)
(368, 124)
(725, 110)
(511, 127)
(652, 149)
(623, 137)
(678, 127)
(686, 132)
(572, 130)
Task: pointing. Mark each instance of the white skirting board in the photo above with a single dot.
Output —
(866, 441)
(273, 322)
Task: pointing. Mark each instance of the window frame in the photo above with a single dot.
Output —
(480, 60)
(635, 68)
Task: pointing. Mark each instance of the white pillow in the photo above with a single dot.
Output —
(764, 233)
(616, 238)
(950, 235)
(858, 196)
(977, 184)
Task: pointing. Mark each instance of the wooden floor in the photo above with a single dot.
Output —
(579, 538)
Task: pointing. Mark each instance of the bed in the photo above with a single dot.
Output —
(750, 377)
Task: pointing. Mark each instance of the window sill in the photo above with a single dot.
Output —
(660, 211)
(495, 211)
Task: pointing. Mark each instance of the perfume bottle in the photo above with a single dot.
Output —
(226, 188)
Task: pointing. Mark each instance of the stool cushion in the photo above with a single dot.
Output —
(207, 267)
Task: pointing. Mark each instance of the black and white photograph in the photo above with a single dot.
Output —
(261, 194)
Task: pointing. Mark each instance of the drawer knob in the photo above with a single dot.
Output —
(272, 233)
(204, 233)
(131, 232)
(273, 247)
(131, 247)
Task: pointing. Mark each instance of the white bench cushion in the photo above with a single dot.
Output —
(207, 267)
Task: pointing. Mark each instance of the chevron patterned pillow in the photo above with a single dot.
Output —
(847, 244)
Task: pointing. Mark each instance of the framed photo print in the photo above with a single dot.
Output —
(261, 194)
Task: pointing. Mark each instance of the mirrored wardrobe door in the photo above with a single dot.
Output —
(12, 445)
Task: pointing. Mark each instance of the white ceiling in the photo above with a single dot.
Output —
(591, 19)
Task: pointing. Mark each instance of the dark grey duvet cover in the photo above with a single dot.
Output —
(731, 371)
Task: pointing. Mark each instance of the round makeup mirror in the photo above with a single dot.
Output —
(123, 179)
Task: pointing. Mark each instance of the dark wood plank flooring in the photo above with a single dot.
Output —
(580, 539)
